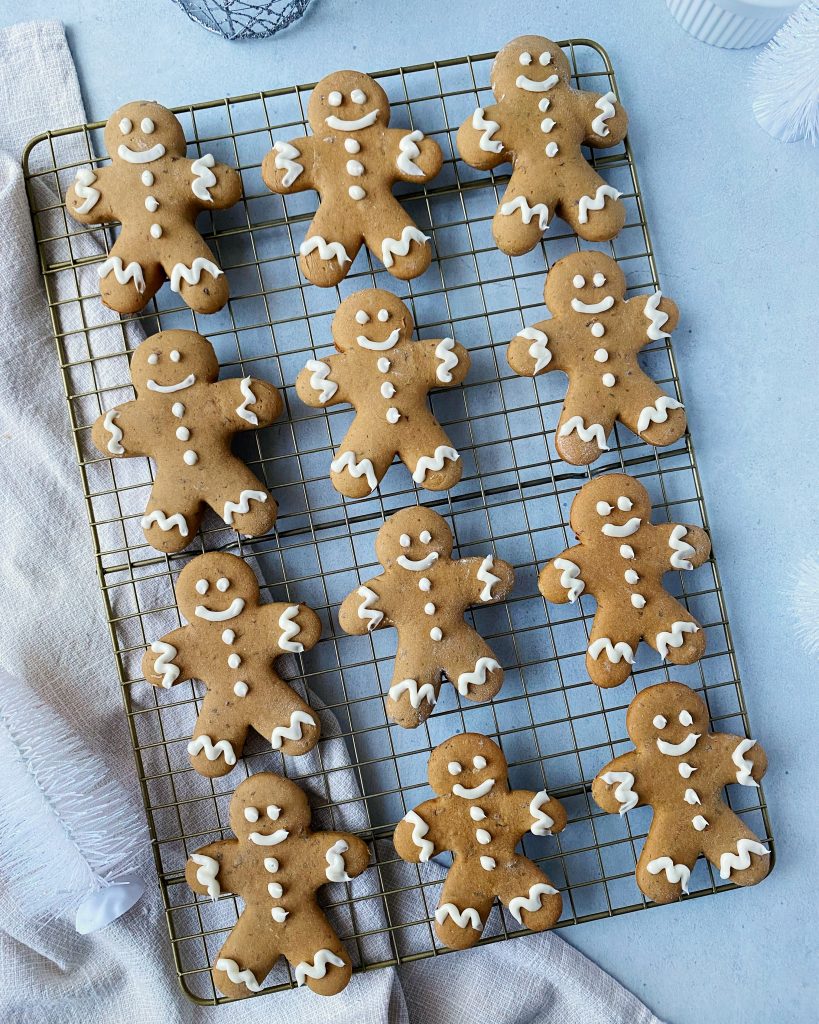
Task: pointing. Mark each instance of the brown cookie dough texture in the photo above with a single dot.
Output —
(184, 418)
(539, 124)
(352, 160)
(423, 593)
(679, 769)
(156, 193)
(386, 377)
(231, 644)
(480, 820)
(275, 864)
(621, 560)
(594, 336)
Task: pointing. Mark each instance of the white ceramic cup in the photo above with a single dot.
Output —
(735, 24)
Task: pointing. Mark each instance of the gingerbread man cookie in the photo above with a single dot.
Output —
(386, 377)
(275, 864)
(231, 644)
(668, 724)
(621, 560)
(352, 159)
(156, 193)
(423, 593)
(184, 419)
(539, 124)
(594, 336)
(481, 820)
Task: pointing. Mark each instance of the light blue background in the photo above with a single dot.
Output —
(733, 217)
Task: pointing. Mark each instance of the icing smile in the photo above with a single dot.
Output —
(145, 156)
(166, 389)
(417, 565)
(476, 792)
(209, 615)
(626, 530)
(678, 749)
(261, 839)
(533, 85)
(351, 126)
(379, 346)
(593, 307)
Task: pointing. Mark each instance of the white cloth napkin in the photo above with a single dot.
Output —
(54, 637)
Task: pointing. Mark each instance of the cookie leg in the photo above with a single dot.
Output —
(172, 514)
(329, 247)
(127, 284)
(612, 647)
(414, 688)
(462, 911)
(529, 895)
(277, 712)
(361, 461)
(654, 416)
(247, 956)
(316, 954)
(218, 737)
(433, 461)
(471, 666)
(392, 235)
(673, 632)
(734, 849)
(665, 864)
(583, 429)
(593, 208)
(521, 218)
(240, 498)
(195, 275)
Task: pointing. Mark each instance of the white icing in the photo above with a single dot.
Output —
(478, 676)
(352, 125)
(133, 272)
(691, 797)
(598, 330)
(320, 379)
(587, 203)
(478, 762)
(393, 415)
(143, 156)
(533, 85)
(416, 693)
(532, 902)
(367, 609)
(273, 839)
(286, 160)
(147, 178)
(408, 151)
(126, 125)
(539, 349)
(164, 522)
(379, 346)
(657, 413)
(624, 793)
(114, 446)
(740, 860)
(434, 462)
(326, 250)
(487, 577)
(278, 914)
(609, 380)
(547, 124)
(476, 792)
(147, 125)
(364, 467)
(356, 192)
(387, 389)
(602, 508)
(606, 107)
(476, 814)
(323, 957)
(246, 978)
(593, 307)
(744, 766)
(429, 608)
(436, 634)
(178, 409)
(469, 916)
(542, 821)
(614, 652)
(212, 750)
(248, 398)
(673, 872)
(193, 273)
(271, 865)
(675, 637)
(235, 608)
(699, 822)
(234, 661)
(204, 178)
(626, 530)
(383, 364)
(383, 315)
(601, 355)
(251, 814)
(82, 186)
(351, 145)
(594, 431)
(444, 352)
(570, 578)
(685, 718)
(659, 722)
(527, 212)
(336, 870)
(678, 749)
(241, 506)
(483, 837)
(182, 434)
(240, 688)
(335, 98)
(391, 247)
(638, 601)
(599, 280)
(579, 281)
(206, 873)
(657, 318)
(685, 770)
(487, 141)
(417, 564)
(228, 636)
(488, 863)
(626, 551)
(164, 665)
(454, 768)
(424, 584)
(291, 732)
(290, 628)
(190, 457)
(552, 149)
(419, 830)
(630, 575)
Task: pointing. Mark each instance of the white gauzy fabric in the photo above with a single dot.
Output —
(54, 637)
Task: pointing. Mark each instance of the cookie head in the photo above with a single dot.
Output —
(615, 505)
(585, 283)
(668, 718)
(373, 320)
(347, 101)
(468, 766)
(267, 809)
(141, 132)
(172, 361)
(529, 66)
(216, 588)
(414, 538)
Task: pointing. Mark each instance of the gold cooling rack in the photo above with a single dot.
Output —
(556, 728)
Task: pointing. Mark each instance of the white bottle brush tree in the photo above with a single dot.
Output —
(786, 78)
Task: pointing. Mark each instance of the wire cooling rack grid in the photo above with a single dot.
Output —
(556, 728)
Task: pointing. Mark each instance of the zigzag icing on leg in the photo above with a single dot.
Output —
(624, 793)
(212, 750)
(614, 652)
(673, 872)
(164, 665)
(133, 272)
(656, 317)
(364, 467)
(594, 431)
(744, 766)
(434, 462)
(542, 821)
(527, 212)
(416, 693)
(318, 968)
(293, 731)
(391, 247)
(539, 349)
(469, 916)
(681, 551)
(246, 978)
(741, 860)
(478, 676)
(657, 413)
(241, 506)
(570, 577)
(164, 522)
(193, 273)
(419, 830)
(675, 638)
(326, 250)
(586, 203)
(532, 902)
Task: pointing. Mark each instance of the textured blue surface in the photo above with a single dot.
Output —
(730, 214)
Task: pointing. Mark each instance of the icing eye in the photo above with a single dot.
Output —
(222, 583)
(153, 359)
(273, 811)
(685, 718)
(383, 315)
(404, 540)
(251, 814)
(202, 586)
(479, 762)
(545, 58)
(175, 356)
(357, 96)
(625, 504)
(660, 722)
(525, 58)
(603, 508)
(362, 317)
(147, 125)
(578, 280)
(425, 537)
(454, 768)
(125, 125)
(334, 99)
(599, 280)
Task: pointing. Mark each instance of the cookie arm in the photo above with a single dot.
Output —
(167, 661)
(288, 167)
(445, 362)
(415, 838)
(535, 350)
(87, 199)
(537, 813)
(605, 119)
(484, 580)
(337, 857)
(616, 787)
(248, 403)
(650, 318)
(417, 158)
(214, 186)
(295, 627)
(480, 140)
(322, 382)
(118, 432)
(564, 578)
(363, 610)
(685, 547)
(738, 759)
(211, 869)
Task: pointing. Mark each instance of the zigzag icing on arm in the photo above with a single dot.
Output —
(286, 159)
(741, 860)
(206, 873)
(241, 506)
(444, 352)
(478, 676)
(290, 629)
(533, 902)
(318, 968)
(419, 830)
(434, 462)
(133, 272)
(657, 413)
(248, 399)
(336, 870)
(391, 247)
(114, 446)
(204, 178)
(212, 750)
(744, 766)
(487, 142)
(527, 212)
(164, 522)
(656, 317)
(320, 379)
(614, 652)
(542, 821)
(367, 609)
(606, 107)
(681, 551)
(293, 731)
(594, 431)
(469, 916)
(487, 577)
(587, 203)
(675, 637)
(326, 250)
(539, 349)
(570, 578)
(673, 872)
(624, 793)
(164, 666)
(364, 467)
(82, 186)
(416, 693)
(408, 152)
(192, 274)
(246, 978)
